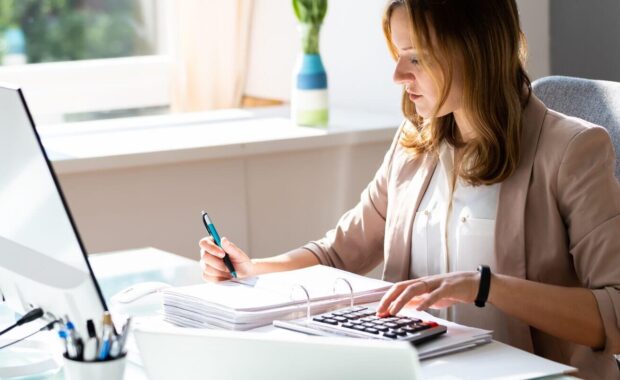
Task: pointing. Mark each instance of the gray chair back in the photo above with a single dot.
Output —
(596, 101)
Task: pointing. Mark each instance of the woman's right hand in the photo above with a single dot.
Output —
(212, 263)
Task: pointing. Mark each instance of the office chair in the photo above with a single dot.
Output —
(596, 101)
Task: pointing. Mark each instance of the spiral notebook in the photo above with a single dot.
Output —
(249, 303)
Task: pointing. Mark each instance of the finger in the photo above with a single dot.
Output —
(203, 243)
(433, 297)
(214, 262)
(212, 248)
(232, 249)
(411, 291)
(208, 278)
(213, 272)
(390, 296)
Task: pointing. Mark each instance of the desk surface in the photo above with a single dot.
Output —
(149, 264)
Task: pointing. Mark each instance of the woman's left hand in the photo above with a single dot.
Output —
(437, 291)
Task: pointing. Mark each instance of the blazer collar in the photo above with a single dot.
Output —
(510, 220)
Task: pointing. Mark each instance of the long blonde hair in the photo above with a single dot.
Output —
(484, 36)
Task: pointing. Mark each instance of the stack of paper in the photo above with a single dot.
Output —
(457, 338)
(249, 303)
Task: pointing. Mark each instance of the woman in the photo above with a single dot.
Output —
(481, 172)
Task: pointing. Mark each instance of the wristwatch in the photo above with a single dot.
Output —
(485, 284)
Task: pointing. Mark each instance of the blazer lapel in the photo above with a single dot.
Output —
(415, 176)
(509, 225)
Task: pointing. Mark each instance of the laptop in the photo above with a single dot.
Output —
(170, 352)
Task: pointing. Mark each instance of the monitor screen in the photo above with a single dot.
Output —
(42, 259)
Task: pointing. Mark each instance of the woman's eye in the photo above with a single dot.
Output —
(414, 60)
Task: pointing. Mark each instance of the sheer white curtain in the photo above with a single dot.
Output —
(212, 44)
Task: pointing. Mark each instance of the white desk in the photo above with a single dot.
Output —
(118, 270)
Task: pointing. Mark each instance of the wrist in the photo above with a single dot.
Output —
(496, 285)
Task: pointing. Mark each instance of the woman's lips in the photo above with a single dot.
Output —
(414, 97)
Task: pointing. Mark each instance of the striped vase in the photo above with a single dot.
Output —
(309, 102)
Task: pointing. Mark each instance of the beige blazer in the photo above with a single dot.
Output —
(558, 222)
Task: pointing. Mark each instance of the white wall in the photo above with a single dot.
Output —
(354, 51)
(358, 65)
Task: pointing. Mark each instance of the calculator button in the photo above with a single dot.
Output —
(381, 328)
(330, 321)
(355, 322)
(399, 332)
(359, 327)
(368, 324)
(371, 330)
(340, 319)
(367, 319)
(318, 319)
(391, 325)
(390, 335)
(348, 325)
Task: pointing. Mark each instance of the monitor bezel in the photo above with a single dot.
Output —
(66, 207)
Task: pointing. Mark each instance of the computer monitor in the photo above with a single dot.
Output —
(43, 262)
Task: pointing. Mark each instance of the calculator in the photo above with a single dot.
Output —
(362, 322)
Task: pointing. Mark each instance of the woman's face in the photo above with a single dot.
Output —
(418, 82)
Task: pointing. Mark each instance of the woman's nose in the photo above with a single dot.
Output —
(401, 75)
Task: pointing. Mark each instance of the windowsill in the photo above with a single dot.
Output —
(155, 140)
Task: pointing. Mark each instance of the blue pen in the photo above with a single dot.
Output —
(75, 338)
(216, 237)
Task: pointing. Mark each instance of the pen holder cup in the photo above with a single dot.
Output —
(112, 369)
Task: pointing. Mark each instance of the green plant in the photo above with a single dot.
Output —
(310, 13)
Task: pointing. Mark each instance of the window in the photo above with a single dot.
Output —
(36, 31)
(82, 59)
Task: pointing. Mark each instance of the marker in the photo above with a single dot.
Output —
(216, 237)
(115, 348)
(91, 347)
(71, 350)
(75, 338)
(107, 332)
(63, 335)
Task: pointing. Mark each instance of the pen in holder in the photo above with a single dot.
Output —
(109, 369)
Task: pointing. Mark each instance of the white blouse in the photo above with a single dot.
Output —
(454, 230)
